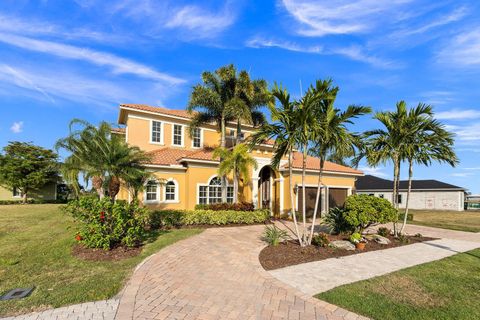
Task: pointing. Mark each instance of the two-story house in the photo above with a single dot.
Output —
(186, 173)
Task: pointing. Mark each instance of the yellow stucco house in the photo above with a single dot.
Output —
(188, 173)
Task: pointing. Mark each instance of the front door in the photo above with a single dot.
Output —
(265, 188)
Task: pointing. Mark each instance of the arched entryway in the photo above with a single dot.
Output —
(267, 190)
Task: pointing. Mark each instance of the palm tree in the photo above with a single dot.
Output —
(100, 157)
(225, 96)
(284, 131)
(383, 145)
(427, 141)
(331, 137)
(237, 161)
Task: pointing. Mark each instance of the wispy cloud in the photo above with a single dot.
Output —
(379, 172)
(356, 53)
(117, 64)
(466, 134)
(458, 114)
(462, 174)
(320, 18)
(17, 127)
(462, 50)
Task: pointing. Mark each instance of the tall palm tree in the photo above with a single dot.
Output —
(330, 134)
(100, 157)
(383, 145)
(237, 161)
(427, 141)
(284, 131)
(226, 96)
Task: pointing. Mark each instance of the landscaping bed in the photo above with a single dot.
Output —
(290, 253)
(115, 254)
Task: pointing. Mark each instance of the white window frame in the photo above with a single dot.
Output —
(181, 135)
(208, 190)
(176, 195)
(157, 200)
(201, 139)
(19, 193)
(162, 132)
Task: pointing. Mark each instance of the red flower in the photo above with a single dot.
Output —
(102, 216)
(78, 237)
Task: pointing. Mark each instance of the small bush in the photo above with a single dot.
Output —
(106, 224)
(384, 232)
(273, 235)
(355, 237)
(335, 221)
(176, 218)
(403, 238)
(401, 216)
(362, 211)
(242, 206)
(321, 240)
(418, 235)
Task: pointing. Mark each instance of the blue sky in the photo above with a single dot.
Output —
(63, 59)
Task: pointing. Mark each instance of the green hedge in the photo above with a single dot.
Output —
(30, 201)
(401, 216)
(177, 218)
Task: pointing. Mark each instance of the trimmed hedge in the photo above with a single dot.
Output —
(242, 206)
(176, 218)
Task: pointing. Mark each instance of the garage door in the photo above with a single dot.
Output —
(337, 197)
(310, 195)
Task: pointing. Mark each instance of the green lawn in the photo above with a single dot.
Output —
(455, 220)
(444, 289)
(35, 246)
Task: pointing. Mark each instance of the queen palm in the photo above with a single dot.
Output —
(427, 141)
(225, 96)
(284, 131)
(330, 136)
(100, 157)
(236, 161)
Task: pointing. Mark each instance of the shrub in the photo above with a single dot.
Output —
(335, 221)
(273, 235)
(384, 232)
(321, 240)
(401, 216)
(176, 218)
(242, 206)
(106, 224)
(355, 237)
(362, 211)
(418, 235)
(403, 238)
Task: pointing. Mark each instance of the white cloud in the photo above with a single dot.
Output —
(466, 134)
(374, 171)
(462, 174)
(355, 53)
(458, 114)
(462, 50)
(118, 64)
(17, 127)
(320, 18)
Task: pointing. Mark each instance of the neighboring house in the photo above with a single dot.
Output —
(47, 192)
(472, 202)
(186, 174)
(425, 194)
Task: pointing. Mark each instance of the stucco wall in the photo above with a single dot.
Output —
(423, 200)
(48, 192)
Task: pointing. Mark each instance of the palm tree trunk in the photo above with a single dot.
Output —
(113, 187)
(238, 139)
(410, 175)
(394, 195)
(318, 197)
(292, 201)
(235, 186)
(97, 183)
(222, 145)
(304, 203)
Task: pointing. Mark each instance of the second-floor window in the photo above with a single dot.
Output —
(156, 131)
(177, 135)
(197, 138)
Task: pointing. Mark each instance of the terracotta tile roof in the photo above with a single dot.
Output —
(118, 130)
(203, 154)
(171, 112)
(313, 163)
(167, 156)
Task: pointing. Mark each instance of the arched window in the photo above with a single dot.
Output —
(170, 191)
(151, 191)
(212, 193)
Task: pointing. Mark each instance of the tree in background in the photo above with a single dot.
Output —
(236, 161)
(26, 167)
(101, 157)
(225, 96)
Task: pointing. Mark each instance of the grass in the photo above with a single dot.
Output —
(36, 243)
(455, 220)
(444, 289)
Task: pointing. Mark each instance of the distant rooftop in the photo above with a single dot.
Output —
(372, 183)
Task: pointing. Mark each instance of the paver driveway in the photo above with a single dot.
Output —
(216, 275)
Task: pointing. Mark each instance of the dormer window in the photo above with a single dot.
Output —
(177, 135)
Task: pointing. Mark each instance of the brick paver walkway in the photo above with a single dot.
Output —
(319, 276)
(216, 275)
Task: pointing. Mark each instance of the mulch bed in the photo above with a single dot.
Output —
(289, 253)
(115, 254)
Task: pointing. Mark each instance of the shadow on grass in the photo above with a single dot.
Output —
(153, 235)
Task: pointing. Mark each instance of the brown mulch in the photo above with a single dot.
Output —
(115, 254)
(289, 253)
